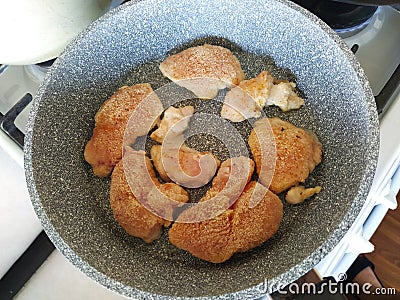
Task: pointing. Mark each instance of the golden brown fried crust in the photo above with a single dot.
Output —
(253, 226)
(204, 70)
(210, 240)
(297, 154)
(104, 149)
(204, 61)
(131, 214)
(176, 193)
(238, 229)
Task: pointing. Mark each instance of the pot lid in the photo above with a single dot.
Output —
(36, 31)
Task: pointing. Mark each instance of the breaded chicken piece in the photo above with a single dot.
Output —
(129, 212)
(181, 164)
(104, 150)
(233, 175)
(237, 229)
(189, 232)
(212, 214)
(128, 209)
(210, 240)
(297, 153)
(248, 98)
(204, 70)
(252, 226)
(174, 123)
(185, 166)
(299, 193)
(284, 96)
(230, 181)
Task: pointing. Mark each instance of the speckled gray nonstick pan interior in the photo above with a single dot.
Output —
(125, 47)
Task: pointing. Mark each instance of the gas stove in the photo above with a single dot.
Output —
(30, 263)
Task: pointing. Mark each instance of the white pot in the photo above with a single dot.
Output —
(33, 31)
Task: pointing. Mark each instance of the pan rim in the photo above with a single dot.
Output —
(285, 278)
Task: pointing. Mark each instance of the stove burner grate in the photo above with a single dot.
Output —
(341, 17)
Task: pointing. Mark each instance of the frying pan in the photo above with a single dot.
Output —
(125, 47)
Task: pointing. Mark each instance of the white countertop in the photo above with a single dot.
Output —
(19, 225)
(57, 278)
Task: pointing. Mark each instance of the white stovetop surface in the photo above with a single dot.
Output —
(18, 222)
(57, 278)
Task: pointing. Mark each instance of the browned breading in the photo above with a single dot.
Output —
(104, 149)
(297, 153)
(210, 240)
(200, 63)
(129, 212)
(254, 225)
(237, 229)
